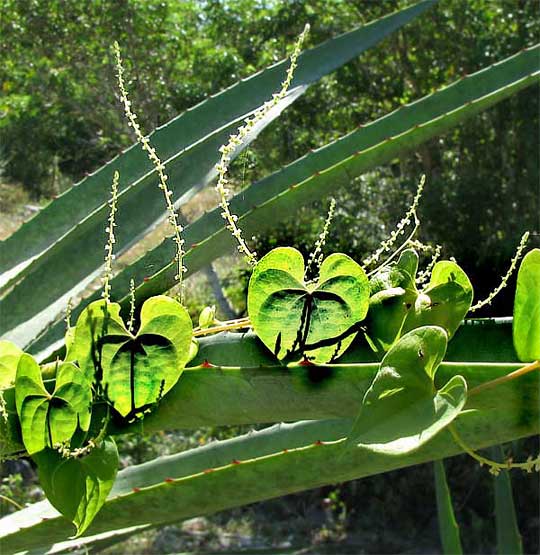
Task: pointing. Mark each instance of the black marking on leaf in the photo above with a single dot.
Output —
(335, 355)
(355, 328)
(277, 346)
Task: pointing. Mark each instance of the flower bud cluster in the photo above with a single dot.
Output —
(425, 274)
(158, 166)
(236, 140)
(131, 305)
(109, 247)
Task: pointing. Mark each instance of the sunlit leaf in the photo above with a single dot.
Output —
(48, 419)
(318, 320)
(526, 327)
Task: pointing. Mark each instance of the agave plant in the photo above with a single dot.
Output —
(376, 368)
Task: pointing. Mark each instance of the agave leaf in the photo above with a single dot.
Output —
(402, 409)
(448, 527)
(51, 418)
(319, 320)
(78, 487)
(318, 174)
(508, 536)
(188, 146)
(265, 464)
(526, 327)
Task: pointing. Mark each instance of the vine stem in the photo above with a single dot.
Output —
(14, 503)
(224, 326)
(494, 466)
(512, 376)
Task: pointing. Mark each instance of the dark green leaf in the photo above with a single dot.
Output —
(508, 536)
(448, 527)
(445, 301)
(78, 487)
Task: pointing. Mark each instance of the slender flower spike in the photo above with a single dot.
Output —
(109, 257)
(316, 256)
(236, 140)
(131, 305)
(410, 216)
(158, 166)
(504, 281)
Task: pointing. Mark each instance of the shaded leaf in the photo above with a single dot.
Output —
(78, 487)
(448, 527)
(446, 300)
(402, 409)
(508, 536)
(393, 294)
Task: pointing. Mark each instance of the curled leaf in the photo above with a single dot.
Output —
(402, 409)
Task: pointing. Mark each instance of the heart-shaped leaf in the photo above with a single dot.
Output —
(10, 355)
(48, 419)
(402, 409)
(78, 487)
(446, 300)
(96, 321)
(318, 320)
(136, 371)
(526, 323)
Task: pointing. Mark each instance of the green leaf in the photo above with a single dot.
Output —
(448, 527)
(319, 320)
(78, 487)
(9, 359)
(402, 409)
(446, 300)
(138, 371)
(526, 326)
(51, 418)
(97, 320)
